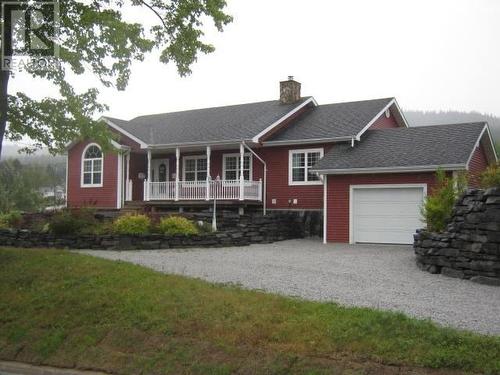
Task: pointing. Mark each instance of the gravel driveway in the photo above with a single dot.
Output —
(379, 276)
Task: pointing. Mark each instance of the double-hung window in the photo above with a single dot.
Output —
(92, 166)
(195, 168)
(300, 164)
(231, 167)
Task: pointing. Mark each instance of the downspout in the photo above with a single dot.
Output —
(67, 164)
(265, 176)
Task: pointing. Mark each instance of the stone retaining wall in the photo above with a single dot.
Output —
(470, 246)
(259, 230)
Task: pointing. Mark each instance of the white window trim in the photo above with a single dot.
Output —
(81, 167)
(250, 174)
(376, 186)
(192, 157)
(290, 164)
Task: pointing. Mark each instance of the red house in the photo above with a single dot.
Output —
(359, 163)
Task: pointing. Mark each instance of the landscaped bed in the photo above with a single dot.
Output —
(71, 310)
(85, 229)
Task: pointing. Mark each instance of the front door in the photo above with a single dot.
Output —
(159, 170)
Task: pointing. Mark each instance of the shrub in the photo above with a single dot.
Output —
(177, 225)
(64, 223)
(438, 206)
(132, 224)
(72, 221)
(11, 219)
(490, 177)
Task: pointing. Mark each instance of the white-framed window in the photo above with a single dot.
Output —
(194, 168)
(92, 166)
(231, 167)
(299, 165)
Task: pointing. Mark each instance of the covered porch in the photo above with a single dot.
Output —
(225, 172)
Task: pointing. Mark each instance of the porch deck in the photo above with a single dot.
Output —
(224, 190)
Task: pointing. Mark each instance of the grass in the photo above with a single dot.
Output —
(71, 310)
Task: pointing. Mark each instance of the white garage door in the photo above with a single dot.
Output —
(386, 215)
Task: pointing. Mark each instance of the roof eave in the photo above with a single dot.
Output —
(119, 129)
(486, 130)
(418, 168)
(200, 144)
(400, 113)
(307, 141)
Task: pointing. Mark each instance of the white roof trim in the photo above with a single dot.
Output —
(486, 129)
(306, 141)
(401, 113)
(124, 132)
(113, 143)
(203, 143)
(119, 146)
(372, 121)
(422, 168)
(276, 123)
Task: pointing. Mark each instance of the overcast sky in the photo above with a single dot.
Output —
(430, 55)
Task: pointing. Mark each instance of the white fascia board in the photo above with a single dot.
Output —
(306, 141)
(200, 144)
(372, 121)
(426, 168)
(276, 123)
(486, 130)
(113, 143)
(119, 146)
(124, 132)
(401, 113)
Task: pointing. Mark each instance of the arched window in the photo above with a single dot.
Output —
(92, 166)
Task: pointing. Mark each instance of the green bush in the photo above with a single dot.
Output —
(68, 222)
(11, 219)
(132, 224)
(177, 225)
(438, 206)
(64, 223)
(490, 177)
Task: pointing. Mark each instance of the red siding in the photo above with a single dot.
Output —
(338, 197)
(384, 122)
(308, 196)
(99, 197)
(478, 164)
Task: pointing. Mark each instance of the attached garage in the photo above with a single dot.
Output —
(385, 213)
(374, 187)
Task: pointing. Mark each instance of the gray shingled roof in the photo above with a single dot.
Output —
(218, 124)
(332, 120)
(406, 147)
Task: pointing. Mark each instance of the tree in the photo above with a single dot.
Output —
(93, 37)
(19, 186)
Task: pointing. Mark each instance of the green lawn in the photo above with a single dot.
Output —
(73, 310)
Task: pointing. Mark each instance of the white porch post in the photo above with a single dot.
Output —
(177, 158)
(208, 174)
(148, 180)
(128, 193)
(242, 176)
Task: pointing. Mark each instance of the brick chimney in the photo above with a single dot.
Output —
(289, 91)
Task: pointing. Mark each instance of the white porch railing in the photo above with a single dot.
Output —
(201, 190)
